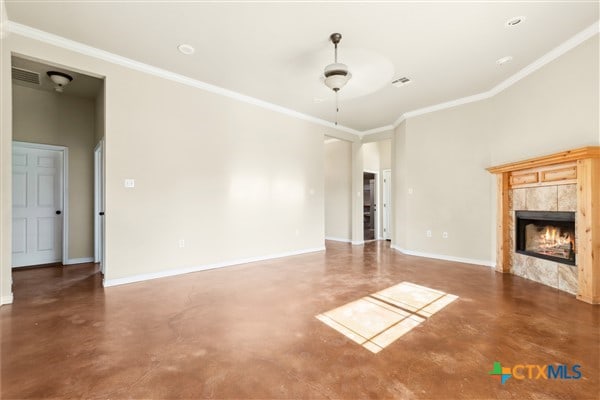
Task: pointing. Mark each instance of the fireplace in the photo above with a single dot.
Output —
(546, 234)
(568, 182)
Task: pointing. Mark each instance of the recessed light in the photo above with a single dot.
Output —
(515, 21)
(504, 60)
(186, 49)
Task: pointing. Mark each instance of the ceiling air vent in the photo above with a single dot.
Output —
(23, 75)
(401, 82)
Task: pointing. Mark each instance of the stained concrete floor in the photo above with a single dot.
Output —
(251, 331)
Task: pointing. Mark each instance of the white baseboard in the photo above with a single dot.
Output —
(82, 260)
(357, 242)
(334, 239)
(486, 263)
(181, 271)
(6, 299)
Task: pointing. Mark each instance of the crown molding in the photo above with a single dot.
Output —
(377, 130)
(528, 70)
(552, 55)
(69, 44)
(59, 41)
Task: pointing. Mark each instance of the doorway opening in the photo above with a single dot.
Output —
(370, 200)
(56, 129)
(377, 159)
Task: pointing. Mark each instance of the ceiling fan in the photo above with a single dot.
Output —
(336, 74)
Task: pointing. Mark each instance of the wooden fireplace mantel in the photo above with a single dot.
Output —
(552, 159)
(580, 166)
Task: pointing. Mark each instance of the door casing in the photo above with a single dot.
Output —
(99, 204)
(387, 192)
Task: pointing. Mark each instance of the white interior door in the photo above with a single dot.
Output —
(99, 205)
(37, 206)
(387, 200)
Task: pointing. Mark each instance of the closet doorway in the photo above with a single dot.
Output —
(369, 205)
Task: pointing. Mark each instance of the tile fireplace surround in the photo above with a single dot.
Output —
(566, 181)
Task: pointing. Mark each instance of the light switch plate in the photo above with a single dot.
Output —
(129, 183)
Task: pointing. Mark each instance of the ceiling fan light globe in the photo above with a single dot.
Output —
(336, 82)
(59, 80)
(336, 69)
(336, 76)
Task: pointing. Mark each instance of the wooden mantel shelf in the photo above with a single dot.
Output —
(578, 166)
(556, 158)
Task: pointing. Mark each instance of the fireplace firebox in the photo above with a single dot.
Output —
(546, 234)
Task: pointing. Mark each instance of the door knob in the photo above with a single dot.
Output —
(58, 212)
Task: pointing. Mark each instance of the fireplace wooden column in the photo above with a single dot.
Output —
(580, 166)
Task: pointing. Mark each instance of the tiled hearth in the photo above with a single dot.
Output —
(542, 198)
(567, 182)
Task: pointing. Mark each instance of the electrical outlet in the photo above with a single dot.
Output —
(410, 191)
(445, 235)
(129, 183)
(181, 243)
(428, 233)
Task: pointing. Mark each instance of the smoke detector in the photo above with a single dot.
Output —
(60, 79)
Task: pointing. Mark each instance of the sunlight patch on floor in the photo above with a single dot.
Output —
(379, 319)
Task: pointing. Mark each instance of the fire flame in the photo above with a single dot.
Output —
(552, 238)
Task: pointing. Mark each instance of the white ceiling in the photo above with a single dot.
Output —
(276, 51)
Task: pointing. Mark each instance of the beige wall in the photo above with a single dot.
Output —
(63, 120)
(384, 148)
(370, 156)
(399, 186)
(234, 180)
(445, 156)
(554, 109)
(442, 156)
(338, 190)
